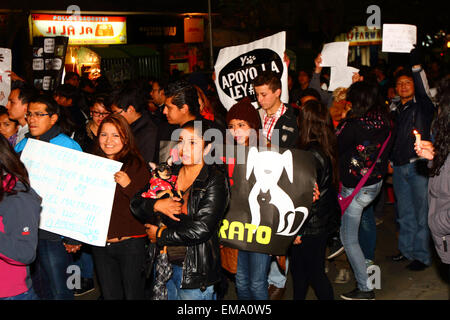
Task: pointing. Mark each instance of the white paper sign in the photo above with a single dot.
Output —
(5, 79)
(77, 190)
(237, 66)
(398, 38)
(341, 76)
(335, 54)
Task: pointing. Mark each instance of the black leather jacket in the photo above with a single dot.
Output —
(198, 231)
(325, 211)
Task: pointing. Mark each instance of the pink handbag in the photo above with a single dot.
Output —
(345, 202)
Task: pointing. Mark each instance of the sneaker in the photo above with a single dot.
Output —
(343, 276)
(399, 257)
(87, 285)
(358, 295)
(416, 265)
(335, 248)
(369, 263)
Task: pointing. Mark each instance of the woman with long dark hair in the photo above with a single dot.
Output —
(439, 182)
(361, 137)
(120, 263)
(191, 224)
(308, 252)
(20, 208)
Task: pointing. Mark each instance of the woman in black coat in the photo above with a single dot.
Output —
(308, 252)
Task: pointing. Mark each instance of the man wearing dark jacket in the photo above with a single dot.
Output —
(278, 119)
(414, 111)
(131, 104)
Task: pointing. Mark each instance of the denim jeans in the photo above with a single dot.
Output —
(120, 268)
(350, 227)
(84, 260)
(411, 190)
(27, 295)
(55, 260)
(174, 291)
(275, 277)
(368, 232)
(251, 276)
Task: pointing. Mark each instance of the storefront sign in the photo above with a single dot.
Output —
(362, 35)
(81, 30)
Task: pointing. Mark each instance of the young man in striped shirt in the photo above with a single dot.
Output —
(278, 119)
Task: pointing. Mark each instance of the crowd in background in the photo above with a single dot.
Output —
(363, 146)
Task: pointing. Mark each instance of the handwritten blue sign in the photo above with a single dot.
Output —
(77, 190)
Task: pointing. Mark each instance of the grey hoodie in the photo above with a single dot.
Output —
(439, 211)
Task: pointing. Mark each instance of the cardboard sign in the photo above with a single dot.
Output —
(237, 66)
(399, 38)
(77, 190)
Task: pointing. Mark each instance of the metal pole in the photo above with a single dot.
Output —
(211, 52)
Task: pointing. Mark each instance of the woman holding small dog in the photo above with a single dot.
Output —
(119, 264)
(191, 232)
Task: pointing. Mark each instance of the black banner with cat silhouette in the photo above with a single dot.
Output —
(271, 197)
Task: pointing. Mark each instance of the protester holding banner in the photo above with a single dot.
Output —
(20, 207)
(191, 231)
(364, 144)
(252, 267)
(120, 263)
(42, 117)
(308, 253)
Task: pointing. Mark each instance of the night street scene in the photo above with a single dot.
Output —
(248, 153)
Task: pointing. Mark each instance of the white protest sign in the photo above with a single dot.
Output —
(5, 79)
(398, 38)
(335, 54)
(341, 76)
(237, 66)
(77, 190)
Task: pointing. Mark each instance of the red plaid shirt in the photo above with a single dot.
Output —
(270, 121)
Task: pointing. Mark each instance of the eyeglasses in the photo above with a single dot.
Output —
(36, 114)
(100, 114)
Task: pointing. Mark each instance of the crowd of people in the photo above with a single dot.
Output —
(168, 247)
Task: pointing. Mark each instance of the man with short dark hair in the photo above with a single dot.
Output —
(158, 98)
(67, 97)
(17, 105)
(42, 117)
(414, 111)
(275, 115)
(130, 103)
